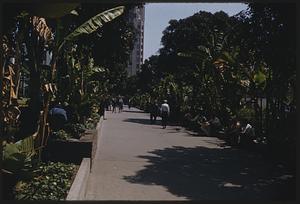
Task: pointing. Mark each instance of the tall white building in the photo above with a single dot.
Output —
(137, 18)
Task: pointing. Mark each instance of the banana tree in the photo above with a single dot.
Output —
(207, 74)
(87, 27)
(222, 78)
(40, 29)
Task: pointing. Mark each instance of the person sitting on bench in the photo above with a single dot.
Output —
(212, 126)
(247, 135)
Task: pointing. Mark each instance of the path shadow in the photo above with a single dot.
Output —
(140, 121)
(134, 111)
(188, 132)
(144, 121)
(215, 174)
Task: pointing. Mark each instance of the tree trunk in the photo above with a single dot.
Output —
(81, 83)
(2, 64)
(261, 116)
(47, 99)
(34, 81)
(17, 67)
(268, 101)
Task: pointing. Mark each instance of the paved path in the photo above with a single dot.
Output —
(139, 161)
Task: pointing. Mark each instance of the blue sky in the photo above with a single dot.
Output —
(157, 16)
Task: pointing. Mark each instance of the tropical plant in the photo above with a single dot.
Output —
(94, 23)
(18, 159)
(51, 181)
(75, 130)
(61, 135)
(223, 64)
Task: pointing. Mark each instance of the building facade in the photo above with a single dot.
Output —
(137, 18)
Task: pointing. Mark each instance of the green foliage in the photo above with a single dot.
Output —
(85, 107)
(75, 130)
(16, 161)
(13, 159)
(92, 121)
(246, 113)
(96, 22)
(260, 79)
(51, 181)
(61, 135)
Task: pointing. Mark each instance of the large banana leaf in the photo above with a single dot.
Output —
(96, 22)
(41, 27)
(18, 156)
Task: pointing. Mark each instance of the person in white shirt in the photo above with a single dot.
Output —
(247, 134)
(165, 112)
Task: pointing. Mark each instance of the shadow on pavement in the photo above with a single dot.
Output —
(215, 174)
(139, 120)
(134, 111)
(145, 121)
(188, 132)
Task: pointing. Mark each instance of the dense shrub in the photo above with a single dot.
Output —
(75, 129)
(16, 165)
(246, 113)
(91, 122)
(61, 135)
(51, 181)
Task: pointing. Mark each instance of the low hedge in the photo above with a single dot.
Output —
(51, 181)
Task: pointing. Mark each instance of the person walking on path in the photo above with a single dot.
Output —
(165, 112)
(114, 105)
(129, 104)
(154, 111)
(102, 107)
(120, 103)
(106, 103)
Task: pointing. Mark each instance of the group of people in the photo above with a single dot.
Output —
(60, 114)
(211, 126)
(163, 111)
(240, 132)
(116, 103)
(112, 104)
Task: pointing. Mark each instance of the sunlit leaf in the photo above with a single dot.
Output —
(74, 12)
(181, 54)
(96, 22)
(260, 78)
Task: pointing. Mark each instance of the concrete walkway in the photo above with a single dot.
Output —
(139, 161)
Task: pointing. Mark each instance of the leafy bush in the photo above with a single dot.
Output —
(75, 129)
(15, 161)
(246, 113)
(85, 108)
(61, 134)
(51, 181)
(91, 122)
(16, 165)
